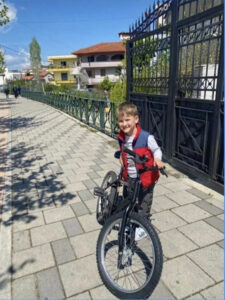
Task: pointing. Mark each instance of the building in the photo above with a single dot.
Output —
(99, 61)
(61, 67)
(46, 76)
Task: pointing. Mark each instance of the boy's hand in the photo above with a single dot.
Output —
(158, 163)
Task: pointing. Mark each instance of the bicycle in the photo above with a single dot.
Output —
(129, 268)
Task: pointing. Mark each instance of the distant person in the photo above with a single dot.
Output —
(6, 91)
(15, 91)
(19, 91)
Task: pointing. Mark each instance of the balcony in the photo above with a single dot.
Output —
(58, 68)
(64, 81)
(101, 64)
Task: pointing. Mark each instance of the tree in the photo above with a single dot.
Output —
(4, 18)
(2, 62)
(35, 58)
(106, 84)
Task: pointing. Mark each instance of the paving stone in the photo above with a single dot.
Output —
(58, 214)
(24, 288)
(78, 178)
(184, 278)
(89, 223)
(101, 292)
(175, 243)
(191, 213)
(85, 244)
(195, 297)
(160, 190)
(216, 202)
(79, 209)
(88, 275)
(161, 292)
(93, 175)
(31, 220)
(74, 187)
(198, 193)
(161, 203)
(85, 195)
(32, 260)
(221, 217)
(89, 183)
(47, 233)
(85, 295)
(211, 260)
(213, 210)
(216, 223)
(166, 220)
(91, 204)
(63, 251)
(214, 292)
(176, 186)
(221, 244)
(182, 197)
(72, 227)
(49, 284)
(201, 233)
(21, 240)
(98, 181)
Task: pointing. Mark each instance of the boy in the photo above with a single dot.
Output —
(134, 138)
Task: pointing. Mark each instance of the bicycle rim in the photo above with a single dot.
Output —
(138, 258)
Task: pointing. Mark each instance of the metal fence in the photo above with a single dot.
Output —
(99, 114)
(175, 76)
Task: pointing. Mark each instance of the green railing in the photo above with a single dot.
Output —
(99, 114)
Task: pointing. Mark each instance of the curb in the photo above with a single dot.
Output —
(6, 231)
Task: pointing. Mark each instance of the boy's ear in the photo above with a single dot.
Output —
(136, 119)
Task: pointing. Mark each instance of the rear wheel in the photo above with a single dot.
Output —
(105, 202)
(142, 259)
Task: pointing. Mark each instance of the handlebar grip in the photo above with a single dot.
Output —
(163, 172)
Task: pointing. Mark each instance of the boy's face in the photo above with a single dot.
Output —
(127, 123)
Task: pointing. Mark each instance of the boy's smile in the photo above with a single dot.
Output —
(127, 123)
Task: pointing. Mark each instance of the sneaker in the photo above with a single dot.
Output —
(139, 234)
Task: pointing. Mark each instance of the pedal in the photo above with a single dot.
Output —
(99, 191)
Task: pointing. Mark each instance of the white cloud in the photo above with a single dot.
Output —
(18, 61)
(12, 14)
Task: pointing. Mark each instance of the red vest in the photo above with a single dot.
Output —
(140, 146)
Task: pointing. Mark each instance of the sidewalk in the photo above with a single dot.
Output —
(55, 162)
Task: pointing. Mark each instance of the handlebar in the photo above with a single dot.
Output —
(140, 160)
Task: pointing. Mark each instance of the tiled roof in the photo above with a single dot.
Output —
(28, 77)
(43, 73)
(113, 47)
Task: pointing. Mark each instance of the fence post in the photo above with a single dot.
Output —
(129, 46)
(171, 121)
(216, 130)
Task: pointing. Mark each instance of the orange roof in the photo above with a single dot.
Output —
(43, 73)
(28, 77)
(113, 47)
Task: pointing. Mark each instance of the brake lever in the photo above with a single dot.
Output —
(163, 172)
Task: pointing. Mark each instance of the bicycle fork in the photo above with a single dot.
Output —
(124, 223)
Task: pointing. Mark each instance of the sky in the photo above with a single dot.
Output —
(64, 26)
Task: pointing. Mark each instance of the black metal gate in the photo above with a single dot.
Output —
(175, 76)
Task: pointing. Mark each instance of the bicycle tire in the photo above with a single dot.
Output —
(156, 268)
(104, 204)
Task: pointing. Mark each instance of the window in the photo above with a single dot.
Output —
(102, 71)
(91, 58)
(102, 58)
(64, 76)
(89, 73)
(117, 57)
(63, 63)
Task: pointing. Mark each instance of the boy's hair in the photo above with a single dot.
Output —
(127, 109)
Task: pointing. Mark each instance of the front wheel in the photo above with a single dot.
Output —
(142, 259)
(105, 202)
